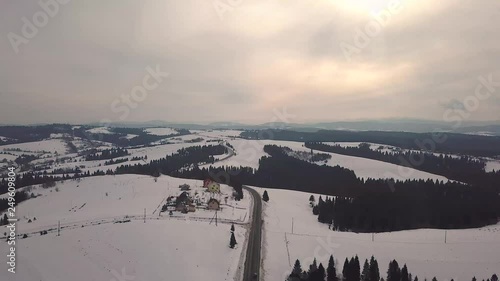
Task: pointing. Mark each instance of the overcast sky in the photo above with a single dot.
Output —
(241, 60)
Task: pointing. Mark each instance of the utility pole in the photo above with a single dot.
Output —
(214, 217)
(58, 228)
(292, 225)
(144, 215)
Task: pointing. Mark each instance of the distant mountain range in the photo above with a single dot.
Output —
(402, 125)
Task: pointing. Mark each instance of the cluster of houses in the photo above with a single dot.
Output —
(186, 203)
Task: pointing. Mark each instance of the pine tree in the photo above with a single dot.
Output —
(404, 274)
(345, 270)
(296, 272)
(232, 242)
(494, 277)
(320, 276)
(356, 270)
(365, 275)
(394, 272)
(416, 278)
(374, 270)
(265, 196)
(434, 279)
(297, 268)
(331, 271)
(313, 267)
(311, 199)
(232, 228)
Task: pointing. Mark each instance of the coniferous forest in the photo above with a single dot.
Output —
(352, 270)
(464, 169)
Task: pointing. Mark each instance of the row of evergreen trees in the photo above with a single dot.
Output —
(107, 154)
(352, 271)
(184, 158)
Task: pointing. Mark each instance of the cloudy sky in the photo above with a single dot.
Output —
(241, 60)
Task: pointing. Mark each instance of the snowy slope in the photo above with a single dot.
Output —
(161, 131)
(468, 253)
(248, 153)
(110, 197)
(100, 130)
(491, 165)
(50, 145)
(156, 250)
(92, 246)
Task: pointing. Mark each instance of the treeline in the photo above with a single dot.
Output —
(19, 197)
(107, 154)
(31, 178)
(119, 137)
(444, 165)
(438, 142)
(20, 134)
(352, 271)
(184, 158)
(424, 205)
(232, 176)
(464, 169)
(117, 161)
(184, 163)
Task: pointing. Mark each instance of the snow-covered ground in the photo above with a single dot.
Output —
(491, 165)
(248, 153)
(93, 246)
(5, 138)
(49, 145)
(109, 197)
(467, 253)
(7, 157)
(157, 250)
(100, 130)
(161, 131)
(219, 133)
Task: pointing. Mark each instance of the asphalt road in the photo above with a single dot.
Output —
(252, 262)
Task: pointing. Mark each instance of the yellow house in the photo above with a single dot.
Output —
(213, 187)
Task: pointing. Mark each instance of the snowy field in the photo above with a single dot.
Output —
(100, 130)
(491, 165)
(50, 145)
(219, 133)
(156, 250)
(93, 246)
(248, 153)
(113, 197)
(161, 131)
(467, 253)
